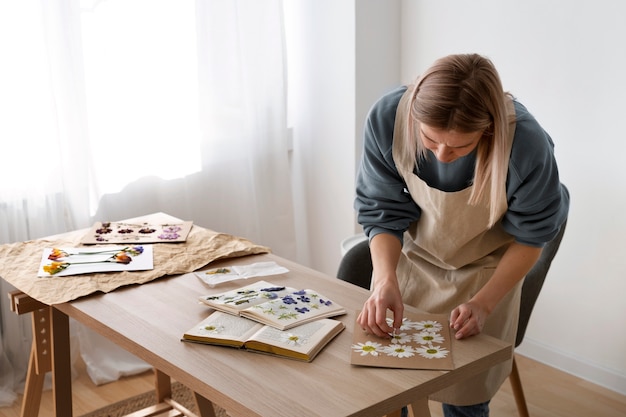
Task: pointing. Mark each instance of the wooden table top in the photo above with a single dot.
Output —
(149, 320)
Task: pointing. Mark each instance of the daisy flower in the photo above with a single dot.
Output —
(212, 328)
(400, 351)
(406, 323)
(367, 348)
(292, 339)
(400, 338)
(431, 351)
(428, 325)
(424, 338)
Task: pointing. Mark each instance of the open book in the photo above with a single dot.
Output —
(303, 342)
(422, 342)
(276, 306)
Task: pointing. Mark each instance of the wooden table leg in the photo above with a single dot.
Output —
(33, 388)
(61, 363)
(419, 408)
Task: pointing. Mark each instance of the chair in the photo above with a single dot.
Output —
(356, 267)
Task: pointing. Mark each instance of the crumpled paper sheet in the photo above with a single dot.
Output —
(19, 263)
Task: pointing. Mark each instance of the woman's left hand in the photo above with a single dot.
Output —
(468, 319)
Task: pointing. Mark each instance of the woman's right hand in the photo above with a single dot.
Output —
(385, 296)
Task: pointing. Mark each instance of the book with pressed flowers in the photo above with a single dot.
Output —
(302, 342)
(277, 306)
(422, 342)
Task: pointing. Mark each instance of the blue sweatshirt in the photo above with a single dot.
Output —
(538, 203)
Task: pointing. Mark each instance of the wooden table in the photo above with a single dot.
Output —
(148, 320)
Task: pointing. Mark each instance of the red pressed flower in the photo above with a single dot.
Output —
(56, 254)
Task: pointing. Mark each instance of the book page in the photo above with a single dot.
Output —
(237, 300)
(293, 309)
(223, 328)
(301, 342)
(423, 342)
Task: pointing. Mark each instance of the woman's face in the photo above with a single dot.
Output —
(448, 145)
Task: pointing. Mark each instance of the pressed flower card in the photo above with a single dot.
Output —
(422, 342)
(137, 233)
(58, 262)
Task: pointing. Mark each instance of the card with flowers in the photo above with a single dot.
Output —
(137, 233)
(75, 261)
(277, 306)
(422, 342)
(302, 342)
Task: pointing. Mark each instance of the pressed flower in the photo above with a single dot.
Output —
(212, 328)
(169, 236)
(428, 325)
(424, 338)
(55, 267)
(432, 351)
(122, 258)
(400, 351)
(400, 338)
(406, 323)
(367, 348)
(57, 254)
(118, 256)
(292, 339)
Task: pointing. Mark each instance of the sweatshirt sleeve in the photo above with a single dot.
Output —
(382, 202)
(538, 202)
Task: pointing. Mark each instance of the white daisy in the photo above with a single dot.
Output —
(424, 338)
(367, 348)
(400, 338)
(212, 328)
(428, 325)
(292, 339)
(400, 351)
(406, 323)
(432, 351)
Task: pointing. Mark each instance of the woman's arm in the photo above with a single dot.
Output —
(469, 318)
(385, 249)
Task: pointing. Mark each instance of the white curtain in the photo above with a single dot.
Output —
(112, 109)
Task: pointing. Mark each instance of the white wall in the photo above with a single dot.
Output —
(335, 75)
(566, 61)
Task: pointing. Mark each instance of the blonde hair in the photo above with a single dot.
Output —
(464, 93)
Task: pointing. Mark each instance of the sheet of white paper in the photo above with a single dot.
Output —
(94, 259)
(216, 276)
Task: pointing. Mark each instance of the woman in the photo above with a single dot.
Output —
(458, 191)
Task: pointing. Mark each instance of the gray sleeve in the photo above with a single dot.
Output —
(382, 201)
(538, 202)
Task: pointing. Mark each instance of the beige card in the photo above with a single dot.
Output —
(423, 342)
(136, 233)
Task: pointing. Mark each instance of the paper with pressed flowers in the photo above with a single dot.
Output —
(137, 232)
(422, 342)
(59, 262)
(302, 342)
(277, 306)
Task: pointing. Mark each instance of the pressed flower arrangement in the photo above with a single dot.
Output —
(124, 232)
(422, 342)
(73, 261)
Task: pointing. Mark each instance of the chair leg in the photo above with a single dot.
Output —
(518, 391)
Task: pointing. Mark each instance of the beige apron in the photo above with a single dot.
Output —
(448, 255)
